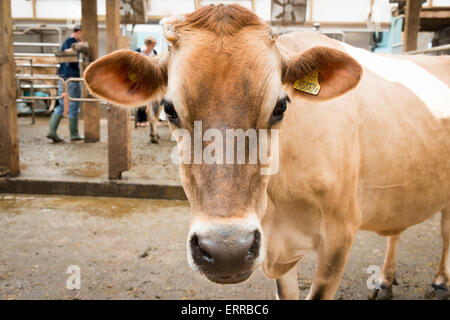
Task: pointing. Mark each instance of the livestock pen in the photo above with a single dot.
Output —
(108, 217)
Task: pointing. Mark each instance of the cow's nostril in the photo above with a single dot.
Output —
(253, 252)
(200, 255)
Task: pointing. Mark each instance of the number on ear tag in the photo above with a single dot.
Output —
(309, 83)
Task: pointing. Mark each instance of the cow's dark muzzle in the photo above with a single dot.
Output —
(226, 255)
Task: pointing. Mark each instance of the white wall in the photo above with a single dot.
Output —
(58, 9)
(350, 11)
(174, 7)
(70, 9)
(170, 7)
(323, 10)
(21, 8)
(437, 3)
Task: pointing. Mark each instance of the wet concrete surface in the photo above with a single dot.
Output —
(41, 159)
(135, 249)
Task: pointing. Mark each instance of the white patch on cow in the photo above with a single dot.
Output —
(248, 224)
(432, 91)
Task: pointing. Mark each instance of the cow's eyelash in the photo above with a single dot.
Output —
(278, 111)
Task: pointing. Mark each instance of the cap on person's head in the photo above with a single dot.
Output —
(149, 40)
(77, 28)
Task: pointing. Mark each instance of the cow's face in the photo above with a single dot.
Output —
(223, 77)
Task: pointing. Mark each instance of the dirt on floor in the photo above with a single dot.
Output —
(40, 158)
(135, 249)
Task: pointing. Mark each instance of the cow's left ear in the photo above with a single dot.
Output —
(321, 73)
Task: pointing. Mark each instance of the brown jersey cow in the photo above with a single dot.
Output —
(357, 142)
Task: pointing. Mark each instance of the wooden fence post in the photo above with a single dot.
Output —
(9, 141)
(119, 144)
(412, 24)
(119, 135)
(91, 110)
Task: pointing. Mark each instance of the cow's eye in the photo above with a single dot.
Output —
(169, 109)
(278, 111)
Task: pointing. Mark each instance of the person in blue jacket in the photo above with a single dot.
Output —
(65, 71)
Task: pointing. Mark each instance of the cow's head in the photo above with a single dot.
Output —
(223, 69)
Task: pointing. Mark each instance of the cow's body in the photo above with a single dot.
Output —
(374, 158)
(378, 145)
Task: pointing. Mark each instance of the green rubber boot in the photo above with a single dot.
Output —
(54, 123)
(74, 135)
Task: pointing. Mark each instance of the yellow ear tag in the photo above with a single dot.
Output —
(309, 83)
(132, 76)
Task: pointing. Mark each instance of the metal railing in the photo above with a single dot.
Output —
(65, 93)
(32, 86)
(37, 65)
(26, 54)
(34, 78)
(28, 81)
(65, 84)
(66, 89)
(36, 44)
(20, 33)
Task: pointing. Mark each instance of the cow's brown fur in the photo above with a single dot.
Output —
(221, 19)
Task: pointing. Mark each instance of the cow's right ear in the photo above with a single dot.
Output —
(126, 78)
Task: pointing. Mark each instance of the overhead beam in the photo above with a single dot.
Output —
(9, 141)
(412, 24)
(91, 110)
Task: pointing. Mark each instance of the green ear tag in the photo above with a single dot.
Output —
(132, 76)
(309, 83)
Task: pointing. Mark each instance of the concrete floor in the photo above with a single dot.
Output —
(135, 249)
(41, 159)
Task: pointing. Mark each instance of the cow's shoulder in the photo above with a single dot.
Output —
(438, 66)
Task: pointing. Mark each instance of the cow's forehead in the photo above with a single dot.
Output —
(229, 77)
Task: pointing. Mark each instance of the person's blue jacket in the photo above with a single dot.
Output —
(68, 69)
(140, 51)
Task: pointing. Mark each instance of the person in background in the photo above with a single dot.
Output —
(148, 49)
(65, 71)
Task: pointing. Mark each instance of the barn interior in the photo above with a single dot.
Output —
(49, 184)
